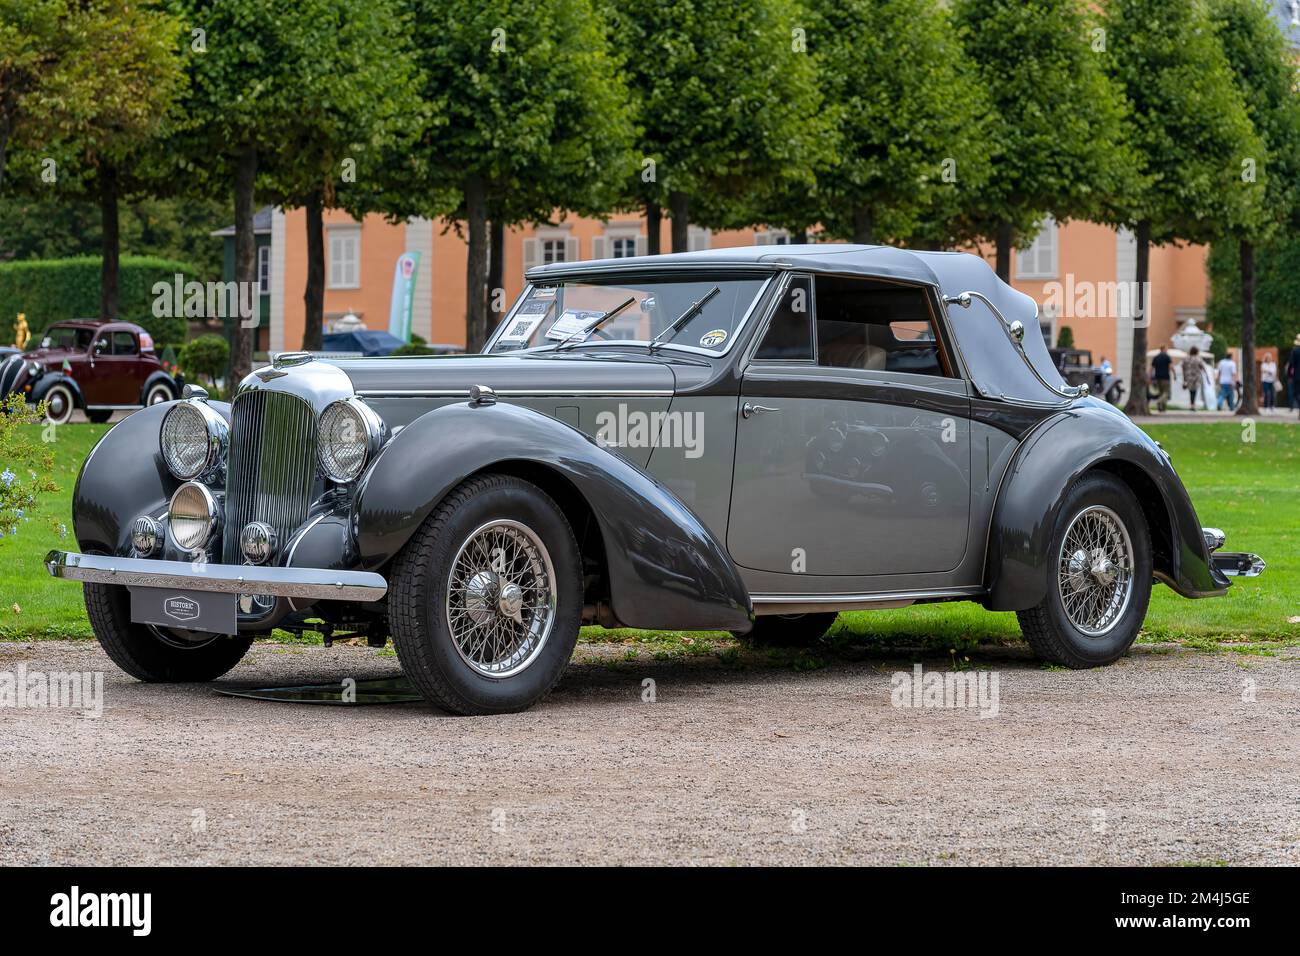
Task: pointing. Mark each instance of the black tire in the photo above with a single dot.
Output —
(419, 588)
(1048, 628)
(60, 403)
(144, 654)
(100, 416)
(1116, 395)
(790, 630)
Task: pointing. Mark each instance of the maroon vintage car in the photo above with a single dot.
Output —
(96, 366)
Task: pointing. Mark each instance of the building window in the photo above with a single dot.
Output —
(553, 250)
(623, 247)
(772, 237)
(1039, 260)
(344, 258)
(264, 270)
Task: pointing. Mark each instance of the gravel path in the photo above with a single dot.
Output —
(1156, 759)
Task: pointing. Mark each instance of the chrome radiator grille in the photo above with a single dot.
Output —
(9, 369)
(272, 466)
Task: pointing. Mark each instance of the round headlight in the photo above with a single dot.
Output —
(192, 516)
(192, 439)
(349, 433)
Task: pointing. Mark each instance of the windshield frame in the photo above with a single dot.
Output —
(768, 277)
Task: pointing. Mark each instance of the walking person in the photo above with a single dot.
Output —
(1227, 384)
(1160, 377)
(1194, 375)
(1293, 375)
(1268, 381)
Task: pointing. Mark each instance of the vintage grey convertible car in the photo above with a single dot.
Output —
(743, 439)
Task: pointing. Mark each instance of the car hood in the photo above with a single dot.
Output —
(576, 373)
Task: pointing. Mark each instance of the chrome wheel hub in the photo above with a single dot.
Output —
(501, 598)
(1096, 570)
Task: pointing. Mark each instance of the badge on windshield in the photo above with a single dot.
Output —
(711, 340)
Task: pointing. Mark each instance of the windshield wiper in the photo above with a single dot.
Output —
(682, 319)
(600, 320)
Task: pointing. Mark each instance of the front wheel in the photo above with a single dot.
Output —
(485, 599)
(1099, 577)
(157, 654)
(59, 404)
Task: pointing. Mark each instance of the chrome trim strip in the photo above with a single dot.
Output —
(805, 603)
(317, 583)
(517, 393)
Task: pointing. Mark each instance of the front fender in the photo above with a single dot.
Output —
(124, 476)
(1090, 435)
(666, 569)
(49, 380)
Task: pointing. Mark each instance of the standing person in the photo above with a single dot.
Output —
(1268, 381)
(1106, 368)
(1227, 383)
(1160, 376)
(1293, 375)
(1193, 374)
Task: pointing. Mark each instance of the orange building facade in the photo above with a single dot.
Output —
(1081, 274)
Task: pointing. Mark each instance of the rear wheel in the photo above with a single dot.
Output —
(1100, 577)
(790, 630)
(486, 598)
(157, 394)
(157, 654)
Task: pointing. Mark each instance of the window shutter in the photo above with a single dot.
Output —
(642, 245)
(697, 239)
(532, 253)
(572, 250)
(599, 247)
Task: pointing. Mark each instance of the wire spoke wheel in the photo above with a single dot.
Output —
(501, 598)
(1095, 570)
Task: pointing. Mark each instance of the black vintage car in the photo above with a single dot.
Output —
(1076, 367)
(747, 440)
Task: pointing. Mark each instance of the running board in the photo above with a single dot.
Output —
(765, 604)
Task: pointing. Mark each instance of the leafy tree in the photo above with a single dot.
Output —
(1277, 291)
(1262, 66)
(727, 105)
(527, 116)
(1055, 120)
(906, 119)
(206, 356)
(1065, 337)
(127, 52)
(354, 105)
(1192, 135)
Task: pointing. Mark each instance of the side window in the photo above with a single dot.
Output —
(123, 343)
(103, 345)
(874, 325)
(789, 336)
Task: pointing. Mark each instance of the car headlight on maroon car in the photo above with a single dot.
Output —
(193, 516)
(349, 433)
(192, 440)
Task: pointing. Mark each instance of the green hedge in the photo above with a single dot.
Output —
(49, 290)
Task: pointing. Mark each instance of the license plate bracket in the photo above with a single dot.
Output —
(212, 611)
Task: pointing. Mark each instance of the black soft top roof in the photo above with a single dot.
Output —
(995, 367)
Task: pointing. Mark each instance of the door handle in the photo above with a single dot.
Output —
(749, 411)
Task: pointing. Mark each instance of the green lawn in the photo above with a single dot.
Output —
(1250, 489)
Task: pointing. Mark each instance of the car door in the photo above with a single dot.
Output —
(853, 440)
(94, 373)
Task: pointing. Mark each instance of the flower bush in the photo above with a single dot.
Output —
(25, 466)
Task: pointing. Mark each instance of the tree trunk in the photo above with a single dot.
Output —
(654, 215)
(679, 207)
(864, 227)
(111, 243)
(476, 268)
(241, 332)
(314, 295)
(6, 124)
(1137, 393)
(496, 271)
(1003, 240)
(1249, 402)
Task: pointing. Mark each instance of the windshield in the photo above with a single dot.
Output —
(549, 314)
(66, 337)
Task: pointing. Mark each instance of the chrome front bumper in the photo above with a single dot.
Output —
(1234, 564)
(308, 583)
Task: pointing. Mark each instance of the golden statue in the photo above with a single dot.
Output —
(21, 333)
